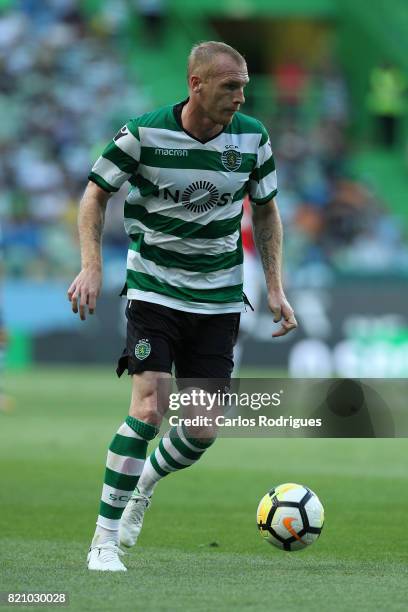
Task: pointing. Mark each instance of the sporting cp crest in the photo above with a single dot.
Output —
(231, 159)
(142, 349)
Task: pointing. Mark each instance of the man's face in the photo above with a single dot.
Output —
(222, 91)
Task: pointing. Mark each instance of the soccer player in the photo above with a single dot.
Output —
(190, 166)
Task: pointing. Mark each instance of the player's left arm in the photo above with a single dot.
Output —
(268, 235)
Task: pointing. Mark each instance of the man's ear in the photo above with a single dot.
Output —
(195, 83)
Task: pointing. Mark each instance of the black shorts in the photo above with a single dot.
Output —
(199, 345)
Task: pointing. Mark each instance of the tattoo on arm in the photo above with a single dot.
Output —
(269, 250)
(268, 239)
(97, 232)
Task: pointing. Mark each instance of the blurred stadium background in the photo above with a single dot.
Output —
(328, 78)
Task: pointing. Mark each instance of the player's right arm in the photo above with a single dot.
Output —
(86, 287)
(119, 160)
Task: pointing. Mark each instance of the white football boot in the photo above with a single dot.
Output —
(105, 558)
(131, 522)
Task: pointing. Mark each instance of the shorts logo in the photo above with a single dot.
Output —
(231, 159)
(200, 196)
(142, 349)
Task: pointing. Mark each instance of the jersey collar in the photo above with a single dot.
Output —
(177, 110)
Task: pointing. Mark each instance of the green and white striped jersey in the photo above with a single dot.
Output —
(183, 211)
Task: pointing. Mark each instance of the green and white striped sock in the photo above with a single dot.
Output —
(124, 464)
(176, 451)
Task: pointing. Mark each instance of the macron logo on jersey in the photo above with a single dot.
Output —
(171, 152)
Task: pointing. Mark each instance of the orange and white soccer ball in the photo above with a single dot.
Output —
(290, 516)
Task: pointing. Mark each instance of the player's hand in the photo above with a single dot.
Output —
(283, 312)
(84, 291)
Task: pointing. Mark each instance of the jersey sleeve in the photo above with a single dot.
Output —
(262, 180)
(119, 160)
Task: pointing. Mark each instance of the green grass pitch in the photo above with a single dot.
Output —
(52, 452)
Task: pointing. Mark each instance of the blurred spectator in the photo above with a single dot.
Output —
(64, 90)
(386, 101)
(254, 285)
(334, 95)
(153, 15)
(291, 80)
(333, 221)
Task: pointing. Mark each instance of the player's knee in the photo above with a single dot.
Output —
(146, 402)
(145, 409)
